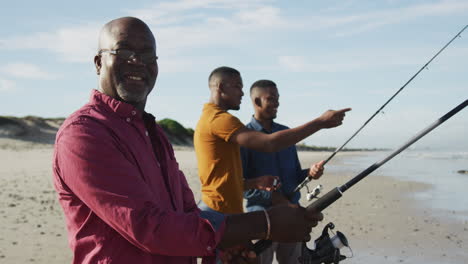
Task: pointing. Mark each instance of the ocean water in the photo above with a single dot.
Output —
(439, 168)
(448, 191)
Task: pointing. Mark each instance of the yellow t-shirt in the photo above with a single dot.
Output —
(219, 163)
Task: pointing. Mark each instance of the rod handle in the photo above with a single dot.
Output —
(326, 200)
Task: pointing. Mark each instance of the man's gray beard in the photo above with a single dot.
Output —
(129, 97)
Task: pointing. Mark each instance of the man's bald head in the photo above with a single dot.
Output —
(120, 26)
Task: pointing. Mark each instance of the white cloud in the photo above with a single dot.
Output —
(178, 25)
(175, 12)
(347, 60)
(26, 71)
(7, 85)
(178, 65)
(369, 21)
(263, 16)
(293, 63)
(78, 44)
(303, 64)
(184, 25)
(74, 44)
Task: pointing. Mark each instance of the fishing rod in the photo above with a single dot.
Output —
(329, 198)
(307, 180)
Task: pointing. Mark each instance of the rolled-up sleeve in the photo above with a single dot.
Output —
(224, 125)
(93, 165)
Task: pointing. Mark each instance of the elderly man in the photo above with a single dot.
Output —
(219, 136)
(284, 163)
(118, 182)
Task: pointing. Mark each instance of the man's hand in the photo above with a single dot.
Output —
(291, 223)
(278, 198)
(316, 170)
(288, 223)
(266, 182)
(238, 254)
(333, 118)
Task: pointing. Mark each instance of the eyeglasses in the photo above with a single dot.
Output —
(147, 57)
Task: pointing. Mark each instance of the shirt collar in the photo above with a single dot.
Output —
(258, 127)
(124, 110)
(212, 105)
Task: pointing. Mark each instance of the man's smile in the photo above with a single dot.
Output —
(135, 77)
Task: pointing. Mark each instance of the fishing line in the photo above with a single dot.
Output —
(307, 180)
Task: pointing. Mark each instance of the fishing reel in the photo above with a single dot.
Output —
(314, 193)
(327, 249)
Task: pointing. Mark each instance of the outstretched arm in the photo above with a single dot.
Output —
(285, 138)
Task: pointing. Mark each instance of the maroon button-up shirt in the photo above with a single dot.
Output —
(124, 198)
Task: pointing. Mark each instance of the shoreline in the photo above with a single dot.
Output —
(381, 216)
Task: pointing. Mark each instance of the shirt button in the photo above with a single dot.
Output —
(128, 119)
(209, 248)
(133, 112)
(146, 132)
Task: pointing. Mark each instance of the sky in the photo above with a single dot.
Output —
(321, 54)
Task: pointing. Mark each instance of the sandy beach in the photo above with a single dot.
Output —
(380, 216)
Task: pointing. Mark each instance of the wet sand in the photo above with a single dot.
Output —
(380, 217)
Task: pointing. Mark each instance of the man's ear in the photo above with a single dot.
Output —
(97, 64)
(258, 102)
(221, 87)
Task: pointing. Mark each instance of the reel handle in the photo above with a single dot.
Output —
(261, 245)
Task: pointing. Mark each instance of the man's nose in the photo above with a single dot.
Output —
(276, 102)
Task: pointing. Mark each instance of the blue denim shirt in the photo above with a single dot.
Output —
(284, 164)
